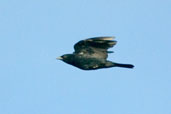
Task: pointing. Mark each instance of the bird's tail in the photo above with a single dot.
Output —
(123, 65)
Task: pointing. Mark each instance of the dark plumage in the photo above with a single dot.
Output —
(91, 54)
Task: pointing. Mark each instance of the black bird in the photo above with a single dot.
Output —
(91, 54)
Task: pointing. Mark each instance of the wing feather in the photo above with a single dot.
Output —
(95, 47)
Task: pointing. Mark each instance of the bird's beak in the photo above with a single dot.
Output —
(59, 58)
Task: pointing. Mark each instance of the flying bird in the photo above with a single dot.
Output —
(92, 53)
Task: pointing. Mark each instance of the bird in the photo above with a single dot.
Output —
(92, 53)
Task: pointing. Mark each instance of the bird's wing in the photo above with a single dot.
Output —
(95, 47)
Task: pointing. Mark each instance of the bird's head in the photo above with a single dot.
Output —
(68, 58)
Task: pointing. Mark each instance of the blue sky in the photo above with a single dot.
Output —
(33, 33)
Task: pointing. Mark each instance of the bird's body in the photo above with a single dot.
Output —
(91, 54)
(85, 63)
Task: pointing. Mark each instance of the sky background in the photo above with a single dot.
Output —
(34, 32)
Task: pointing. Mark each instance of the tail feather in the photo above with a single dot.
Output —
(123, 65)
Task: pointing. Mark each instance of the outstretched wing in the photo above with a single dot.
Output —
(95, 47)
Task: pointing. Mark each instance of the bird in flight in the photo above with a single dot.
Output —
(92, 53)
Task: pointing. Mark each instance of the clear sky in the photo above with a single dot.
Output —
(34, 32)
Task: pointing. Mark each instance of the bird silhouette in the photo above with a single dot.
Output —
(92, 53)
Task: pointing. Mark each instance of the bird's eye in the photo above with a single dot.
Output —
(64, 56)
